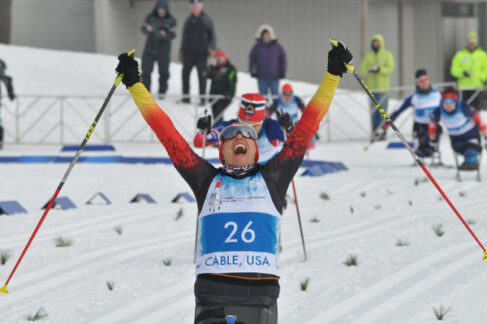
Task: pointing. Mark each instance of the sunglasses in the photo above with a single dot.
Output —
(448, 101)
(232, 131)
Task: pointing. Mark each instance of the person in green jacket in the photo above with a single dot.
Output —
(377, 67)
(469, 67)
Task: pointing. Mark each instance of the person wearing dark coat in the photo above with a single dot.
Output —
(198, 42)
(159, 27)
(267, 61)
(223, 76)
(7, 80)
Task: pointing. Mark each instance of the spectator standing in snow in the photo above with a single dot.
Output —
(223, 76)
(7, 80)
(424, 100)
(377, 67)
(469, 67)
(267, 61)
(198, 42)
(240, 204)
(159, 28)
(463, 124)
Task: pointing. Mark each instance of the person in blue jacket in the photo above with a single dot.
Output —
(464, 124)
(252, 112)
(424, 100)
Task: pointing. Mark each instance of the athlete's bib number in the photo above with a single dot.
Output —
(247, 235)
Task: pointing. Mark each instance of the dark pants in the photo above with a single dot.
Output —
(467, 97)
(161, 55)
(377, 118)
(1, 135)
(218, 107)
(251, 301)
(422, 142)
(188, 62)
(469, 140)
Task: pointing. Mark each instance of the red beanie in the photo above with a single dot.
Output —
(252, 108)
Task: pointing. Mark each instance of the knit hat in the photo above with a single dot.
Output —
(287, 89)
(420, 73)
(252, 108)
(221, 54)
(449, 95)
(473, 38)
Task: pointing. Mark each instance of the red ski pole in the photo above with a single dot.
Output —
(351, 69)
(117, 81)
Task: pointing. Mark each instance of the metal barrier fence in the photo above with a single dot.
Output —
(65, 119)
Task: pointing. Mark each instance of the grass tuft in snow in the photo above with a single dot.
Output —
(462, 193)
(441, 312)
(378, 206)
(390, 192)
(180, 213)
(363, 194)
(410, 203)
(351, 209)
(471, 221)
(401, 242)
(438, 229)
(324, 196)
(39, 315)
(63, 242)
(110, 285)
(118, 229)
(167, 262)
(304, 284)
(314, 220)
(352, 260)
(417, 181)
(4, 256)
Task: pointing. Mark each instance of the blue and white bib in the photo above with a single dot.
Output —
(424, 104)
(239, 228)
(266, 149)
(456, 123)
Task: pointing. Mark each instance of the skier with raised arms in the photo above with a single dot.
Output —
(239, 204)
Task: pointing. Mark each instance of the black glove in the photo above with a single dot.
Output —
(282, 74)
(338, 56)
(286, 122)
(374, 69)
(485, 143)
(128, 66)
(467, 74)
(204, 123)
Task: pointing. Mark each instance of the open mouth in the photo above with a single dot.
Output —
(239, 149)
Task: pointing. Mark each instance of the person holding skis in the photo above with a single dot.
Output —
(251, 112)
(424, 100)
(239, 204)
(463, 123)
(223, 76)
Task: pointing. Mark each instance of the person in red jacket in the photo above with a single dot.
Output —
(239, 204)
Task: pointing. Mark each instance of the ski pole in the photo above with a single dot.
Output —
(279, 112)
(197, 220)
(351, 69)
(117, 81)
(299, 219)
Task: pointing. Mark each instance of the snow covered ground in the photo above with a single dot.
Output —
(380, 201)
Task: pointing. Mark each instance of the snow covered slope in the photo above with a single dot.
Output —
(381, 211)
